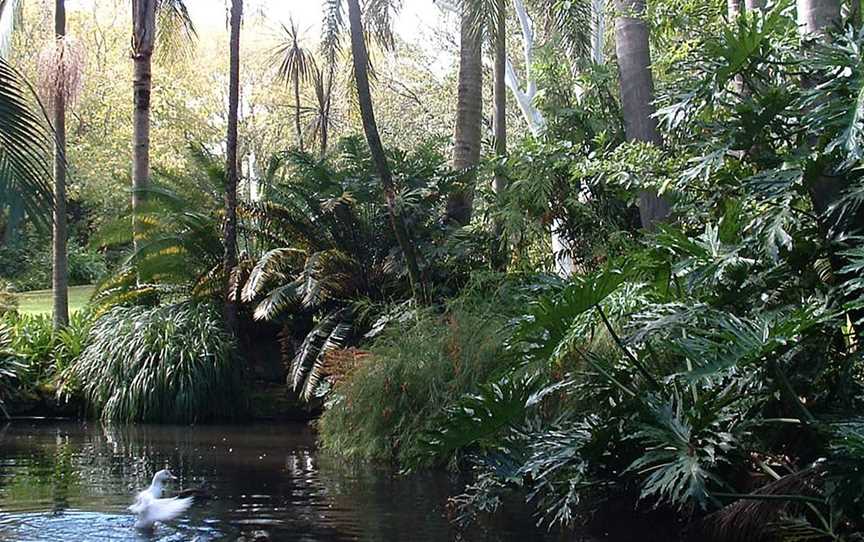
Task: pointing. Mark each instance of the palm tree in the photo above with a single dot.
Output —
(733, 8)
(379, 16)
(499, 119)
(637, 93)
(145, 33)
(60, 266)
(818, 16)
(230, 261)
(320, 125)
(469, 117)
(294, 68)
(59, 63)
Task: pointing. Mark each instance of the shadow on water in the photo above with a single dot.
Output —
(64, 481)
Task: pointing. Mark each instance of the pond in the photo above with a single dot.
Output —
(73, 481)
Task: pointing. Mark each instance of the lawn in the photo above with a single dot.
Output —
(39, 301)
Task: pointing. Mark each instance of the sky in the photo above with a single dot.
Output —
(416, 15)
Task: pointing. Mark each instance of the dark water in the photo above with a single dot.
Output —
(65, 481)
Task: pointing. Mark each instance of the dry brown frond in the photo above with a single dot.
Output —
(61, 69)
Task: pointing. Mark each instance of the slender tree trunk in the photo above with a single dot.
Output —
(297, 110)
(143, 40)
(733, 7)
(816, 18)
(60, 271)
(754, 4)
(637, 93)
(230, 258)
(499, 121)
(469, 119)
(325, 122)
(370, 127)
(734, 10)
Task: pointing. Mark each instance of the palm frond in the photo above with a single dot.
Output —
(306, 368)
(25, 143)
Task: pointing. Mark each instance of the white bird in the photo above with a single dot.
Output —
(150, 507)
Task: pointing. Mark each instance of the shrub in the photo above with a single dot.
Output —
(166, 364)
(10, 365)
(417, 367)
(42, 353)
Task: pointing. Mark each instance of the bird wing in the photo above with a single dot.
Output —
(165, 509)
(140, 503)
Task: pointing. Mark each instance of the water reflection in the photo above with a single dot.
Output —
(74, 481)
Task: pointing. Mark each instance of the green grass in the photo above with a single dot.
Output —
(39, 301)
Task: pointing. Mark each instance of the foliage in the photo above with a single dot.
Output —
(10, 364)
(172, 363)
(180, 247)
(735, 329)
(417, 368)
(334, 257)
(24, 145)
(41, 353)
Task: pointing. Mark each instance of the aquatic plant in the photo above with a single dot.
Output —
(173, 363)
(415, 368)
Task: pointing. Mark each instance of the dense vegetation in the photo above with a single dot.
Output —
(645, 294)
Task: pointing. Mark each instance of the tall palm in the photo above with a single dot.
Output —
(295, 67)
(378, 18)
(145, 34)
(469, 117)
(322, 83)
(499, 119)
(364, 96)
(230, 260)
(733, 9)
(637, 93)
(60, 267)
(816, 18)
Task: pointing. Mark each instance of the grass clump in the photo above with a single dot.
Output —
(416, 368)
(171, 363)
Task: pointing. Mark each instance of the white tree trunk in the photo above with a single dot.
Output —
(537, 124)
(525, 98)
(598, 31)
(7, 26)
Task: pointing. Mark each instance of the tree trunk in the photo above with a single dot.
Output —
(143, 40)
(499, 122)
(325, 122)
(469, 119)
(499, 119)
(370, 128)
(637, 93)
(230, 258)
(754, 4)
(733, 8)
(297, 110)
(60, 271)
(818, 16)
